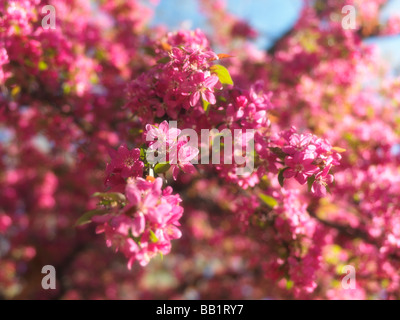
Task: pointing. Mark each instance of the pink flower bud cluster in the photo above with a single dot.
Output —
(164, 141)
(309, 157)
(146, 224)
(181, 79)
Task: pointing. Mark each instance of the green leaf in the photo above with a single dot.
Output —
(100, 55)
(29, 63)
(153, 237)
(94, 79)
(142, 153)
(206, 104)
(164, 60)
(222, 73)
(17, 29)
(42, 66)
(112, 196)
(281, 178)
(310, 182)
(66, 88)
(136, 239)
(268, 200)
(289, 284)
(221, 98)
(150, 51)
(87, 217)
(15, 91)
(162, 167)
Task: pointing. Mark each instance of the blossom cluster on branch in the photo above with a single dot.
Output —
(142, 129)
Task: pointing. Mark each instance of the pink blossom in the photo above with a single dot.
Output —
(125, 162)
(322, 179)
(162, 136)
(147, 223)
(300, 167)
(203, 86)
(300, 143)
(185, 154)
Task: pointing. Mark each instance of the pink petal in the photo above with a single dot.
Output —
(133, 194)
(173, 134)
(135, 153)
(175, 171)
(138, 225)
(289, 173)
(164, 126)
(174, 232)
(198, 77)
(187, 153)
(240, 113)
(211, 81)
(209, 97)
(194, 99)
(301, 178)
(188, 168)
(123, 151)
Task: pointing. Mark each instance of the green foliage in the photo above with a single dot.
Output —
(281, 178)
(222, 73)
(162, 167)
(268, 200)
(87, 217)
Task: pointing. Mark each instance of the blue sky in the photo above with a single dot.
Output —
(271, 18)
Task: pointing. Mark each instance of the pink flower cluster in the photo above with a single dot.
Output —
(164, 141)
(245, 109)
(248, 108)
(61, 109)
(181, 79)
(309, 157)
(19, 15)
(195, 39)
(124, 164)
(147, 223)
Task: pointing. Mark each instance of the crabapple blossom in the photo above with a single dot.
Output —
(125, 162)
(185, 154)
(92, 119)
(147, 223)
